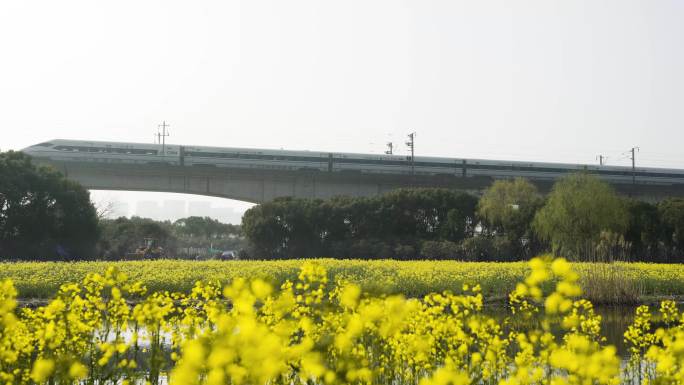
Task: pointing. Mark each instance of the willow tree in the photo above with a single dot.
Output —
(507, 209)
(509, 206)
(579, 209)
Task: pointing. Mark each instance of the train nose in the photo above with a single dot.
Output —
(38, 150)
(31, 151)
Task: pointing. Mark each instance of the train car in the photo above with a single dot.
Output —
(61, 150)
(255, 158)
(105, 152)
(512, 169)
(395, 164)
(648, 175)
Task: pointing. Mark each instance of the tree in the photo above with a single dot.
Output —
(422, 214)
(398, 220)
(123, 236)
(42, 214)
(644, 230)
(286, 227)
(508, 207)
(205, 236)
(205, 227)
(578, 209)
(103, 209)
(671, 212)
(440, 250)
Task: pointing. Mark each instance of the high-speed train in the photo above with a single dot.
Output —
(61, 150)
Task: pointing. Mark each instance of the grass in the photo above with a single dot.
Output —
(603, 283)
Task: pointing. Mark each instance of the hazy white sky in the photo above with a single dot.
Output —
(540, 80)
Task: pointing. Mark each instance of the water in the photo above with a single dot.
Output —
(614, 322)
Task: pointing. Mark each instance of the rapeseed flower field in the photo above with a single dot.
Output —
(314, 330)
(412, 279)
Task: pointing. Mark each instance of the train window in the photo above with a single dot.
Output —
(46, 144)
(107, 149)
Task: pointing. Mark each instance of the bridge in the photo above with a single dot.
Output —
(260, 175)
(261, 185)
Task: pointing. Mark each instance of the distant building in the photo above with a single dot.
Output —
(173, 209)
(148, 209)
(199, 209)
(226, 215)
(119, 209)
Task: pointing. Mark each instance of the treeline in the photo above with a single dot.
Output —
(144, 238)
(582, 218)
(44, 216)
(392, 225)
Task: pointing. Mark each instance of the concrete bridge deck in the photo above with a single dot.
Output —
(260, 185)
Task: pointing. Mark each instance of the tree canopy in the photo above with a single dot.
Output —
(42, 214)
(507, 209)
(509, 206)
(205, 227)
(390, 225)
(579, 208)
(187, 237)
(671, 212)
(124, 236)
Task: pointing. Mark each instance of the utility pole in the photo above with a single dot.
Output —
(411, 144)
(601, 159)
(633, 164)
(390, 148)
(161, 136)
